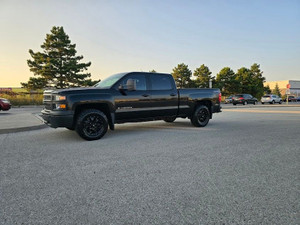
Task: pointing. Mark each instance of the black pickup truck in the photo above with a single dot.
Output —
(127, 97)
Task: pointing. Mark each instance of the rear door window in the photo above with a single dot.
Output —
(160, 82)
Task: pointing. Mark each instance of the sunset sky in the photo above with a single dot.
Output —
(136, 35)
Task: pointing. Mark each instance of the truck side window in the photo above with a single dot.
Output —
(140, 82)
(160, 82)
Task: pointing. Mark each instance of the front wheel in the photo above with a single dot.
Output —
(201, 116)
(91, 124)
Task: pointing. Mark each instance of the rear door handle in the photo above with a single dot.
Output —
(145, 95)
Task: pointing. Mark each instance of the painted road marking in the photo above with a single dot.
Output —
(261, 111)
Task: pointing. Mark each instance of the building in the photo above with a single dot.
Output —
(282, 84)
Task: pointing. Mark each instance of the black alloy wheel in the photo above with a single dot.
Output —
(201, 116)
(92, 124)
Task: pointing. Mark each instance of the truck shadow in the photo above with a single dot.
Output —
(129, 129)
(138, 128)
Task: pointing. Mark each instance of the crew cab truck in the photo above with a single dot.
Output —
(127, 97)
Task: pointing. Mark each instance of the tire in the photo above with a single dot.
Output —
(245, 103)
(254, 103)
(273, 102)
(280, 102)
(262, 103)
(170, 119)
(200, 116)
(234, 103)
(91, 124)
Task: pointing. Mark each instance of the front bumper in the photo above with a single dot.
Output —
(58, 118)
(5, 107)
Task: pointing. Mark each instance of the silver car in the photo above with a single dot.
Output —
(272, 99)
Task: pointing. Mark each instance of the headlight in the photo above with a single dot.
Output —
(60, 98)
(6, 101)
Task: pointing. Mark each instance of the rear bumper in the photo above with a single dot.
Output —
(216, 108)
(238, 102)
(58, 118)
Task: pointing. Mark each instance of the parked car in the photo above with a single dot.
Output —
(228, 99)
(291, 98)
(4, 104)
(272, 99)
(244, 99)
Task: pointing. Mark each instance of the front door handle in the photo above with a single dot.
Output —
(145, 95)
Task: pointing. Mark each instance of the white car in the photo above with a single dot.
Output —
(272, 99)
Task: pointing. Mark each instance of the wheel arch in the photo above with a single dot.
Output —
(207, 103)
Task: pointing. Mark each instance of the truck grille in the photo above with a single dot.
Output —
(49, 106)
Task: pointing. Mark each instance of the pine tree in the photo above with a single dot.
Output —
(226, 81)
(251, 81)
(276, 91)
(58, 65)
(182, 75)
(203, 76)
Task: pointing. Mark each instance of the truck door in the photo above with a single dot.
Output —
(133, 104)
(164, 95)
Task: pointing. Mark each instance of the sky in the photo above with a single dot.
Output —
(142, 35)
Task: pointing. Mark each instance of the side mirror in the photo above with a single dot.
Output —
(131, 85)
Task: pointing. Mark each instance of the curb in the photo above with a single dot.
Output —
(28, 128)
(21, 129)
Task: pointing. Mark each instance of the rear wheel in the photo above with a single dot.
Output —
(91, 124)
(280, 101)
(273, 102)
(262, 103)
(245, 103)
(201, 116)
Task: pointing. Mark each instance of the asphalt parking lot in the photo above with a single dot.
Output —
(243, 168)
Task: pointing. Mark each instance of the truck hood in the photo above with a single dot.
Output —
(75, 91)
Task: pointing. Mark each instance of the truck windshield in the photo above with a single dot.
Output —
(110, 81)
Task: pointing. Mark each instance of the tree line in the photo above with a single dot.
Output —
(245, 80)
(58, 66)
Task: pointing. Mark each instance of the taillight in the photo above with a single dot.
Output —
(241, 98)
(220, 97)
